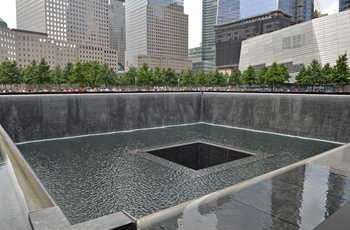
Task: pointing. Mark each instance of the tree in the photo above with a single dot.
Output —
(276, 75)
(326, 75)
(209, 78)
(43, 72)
(341, 71)
(31, 74)
(129, 78)
(201, 78)
(78, 76)
(170, 78)
(91, 70)
(106, 76)
(235, 78)
(144, 75)
(10, 73)
(218, 79)
(188, 78)
(261, 75)
(68, 73)
(157, 77)
(57, 76)
(299, 78)
(284, 74)
(249, 76)
(315, 73)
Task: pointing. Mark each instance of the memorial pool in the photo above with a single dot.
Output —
(92, 176)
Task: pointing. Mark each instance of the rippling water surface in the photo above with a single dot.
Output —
(92, 176)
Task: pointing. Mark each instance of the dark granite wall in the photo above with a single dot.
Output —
(35, 117)
(316, 116)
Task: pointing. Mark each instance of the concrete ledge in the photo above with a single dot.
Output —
(339, 220)
(53, 218)
(35, 196)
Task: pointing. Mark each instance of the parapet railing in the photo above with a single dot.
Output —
(36, 197)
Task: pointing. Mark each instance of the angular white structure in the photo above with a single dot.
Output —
(323, 39)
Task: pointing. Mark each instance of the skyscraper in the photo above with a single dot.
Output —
(218, 12)
(74, 21)
(209, 18)
(156, 34)
(344, 5)
(230, 10)
(80, 22)
(227, 11)
(117, 29)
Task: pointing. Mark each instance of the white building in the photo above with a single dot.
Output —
(323, 39)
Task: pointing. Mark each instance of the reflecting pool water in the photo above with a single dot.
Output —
(92, 176)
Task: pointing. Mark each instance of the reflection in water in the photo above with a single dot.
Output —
(298, 199)
(1, 161)
(94, 176)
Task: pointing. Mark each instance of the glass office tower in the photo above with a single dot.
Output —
(117, 29)
(228, 10)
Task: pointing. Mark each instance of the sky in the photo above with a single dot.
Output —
(192, 8)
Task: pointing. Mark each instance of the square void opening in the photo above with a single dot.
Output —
(199, 155)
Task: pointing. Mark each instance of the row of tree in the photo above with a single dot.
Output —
(94, 74)
(316, 74)
(275, 75)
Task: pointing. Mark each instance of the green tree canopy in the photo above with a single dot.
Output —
(218, 79)
(31, 73)
(57, 76)
(249, 76)
(188, 78)
(341, 71)
(315, 73)
(129, 77)
(68, 73)
(106, 76)
(261, 76)
(144, 77)
(43, 72)
(10, 73)
(235, 77)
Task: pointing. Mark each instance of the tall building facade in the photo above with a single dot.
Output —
(25, 46)
(156, 34)
(230, 10)
(344, 5)
(229, 36)
(219, 12)
(79, 22)
(323, 39)
(209, 18)
(117, 30)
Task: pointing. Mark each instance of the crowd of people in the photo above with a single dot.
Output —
(162, 89)
(120, 89)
